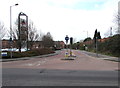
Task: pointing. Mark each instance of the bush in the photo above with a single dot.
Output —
(111, 46)
(34, 52)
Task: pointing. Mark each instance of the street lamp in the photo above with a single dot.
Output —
(11, 29)
(86, 32)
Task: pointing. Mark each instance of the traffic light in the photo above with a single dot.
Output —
(71, 40)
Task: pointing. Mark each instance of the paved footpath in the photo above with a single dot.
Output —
(104, 57)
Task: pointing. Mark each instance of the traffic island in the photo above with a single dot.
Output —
(68, 58)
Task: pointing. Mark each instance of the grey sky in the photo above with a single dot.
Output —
(64, 17)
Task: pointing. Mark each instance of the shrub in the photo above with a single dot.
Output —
(34, 52)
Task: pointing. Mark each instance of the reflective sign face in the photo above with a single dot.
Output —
(66, 38)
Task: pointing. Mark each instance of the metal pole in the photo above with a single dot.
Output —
(10, 31)
(0, 48)
(87, 34)
(66, 49)
(19, 39)
(27, 30)
(67, 46)
(70, 49)
(96, 48)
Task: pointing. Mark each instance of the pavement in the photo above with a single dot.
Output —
(100, 56)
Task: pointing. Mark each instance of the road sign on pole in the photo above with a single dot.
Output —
(23, 30)
(66, 38)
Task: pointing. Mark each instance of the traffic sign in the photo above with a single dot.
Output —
(66, 38)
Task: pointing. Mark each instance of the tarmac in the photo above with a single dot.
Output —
(99, 56)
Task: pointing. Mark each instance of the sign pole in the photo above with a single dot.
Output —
(66, 38)
(23, 25)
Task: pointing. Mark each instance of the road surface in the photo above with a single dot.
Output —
(52, 71)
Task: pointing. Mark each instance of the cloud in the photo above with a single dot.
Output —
(65, 17)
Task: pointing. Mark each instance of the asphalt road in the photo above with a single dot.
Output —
(44, 77)
(52, 71)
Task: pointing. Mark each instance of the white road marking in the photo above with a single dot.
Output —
(35, 64)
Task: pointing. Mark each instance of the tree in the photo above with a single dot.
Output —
(87, 39)
(32, 34)
(47, 40)
(2, 30)
(117, 21)
(95, 36)
(98, 35)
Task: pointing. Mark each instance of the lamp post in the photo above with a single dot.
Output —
(0, 47)
(11, 29)
(86, 32)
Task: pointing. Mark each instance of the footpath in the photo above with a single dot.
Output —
(27, 58)
(100, 56)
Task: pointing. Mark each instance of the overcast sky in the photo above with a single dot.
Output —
(64, 17)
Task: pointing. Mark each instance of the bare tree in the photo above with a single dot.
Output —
(33, 35)
(117, 21)
(2, 30)
(47, 40)
(2, 34)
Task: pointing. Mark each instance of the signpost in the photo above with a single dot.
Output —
(67, 55)
(66, 38)
(23, 30)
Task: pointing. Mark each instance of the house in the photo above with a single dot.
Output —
(59, 44)
(32, 45)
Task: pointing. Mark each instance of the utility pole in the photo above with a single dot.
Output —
(86, 32)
